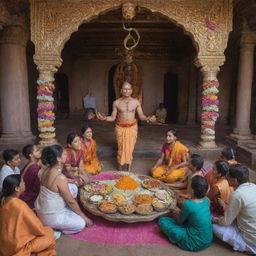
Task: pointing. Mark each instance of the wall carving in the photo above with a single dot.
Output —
(53, 22)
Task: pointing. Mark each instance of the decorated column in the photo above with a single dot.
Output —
(210, 102)
(47, 66)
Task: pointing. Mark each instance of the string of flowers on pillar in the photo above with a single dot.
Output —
(210, 109)
(45, 108)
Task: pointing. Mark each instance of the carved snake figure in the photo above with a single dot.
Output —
(129, 37)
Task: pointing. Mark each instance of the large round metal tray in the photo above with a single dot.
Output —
(92, 208)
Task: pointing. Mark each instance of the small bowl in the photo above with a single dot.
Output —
(160, 206)
(144, 209)
(127, 208)
(95, 199)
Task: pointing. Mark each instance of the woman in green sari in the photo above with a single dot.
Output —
(191, 227)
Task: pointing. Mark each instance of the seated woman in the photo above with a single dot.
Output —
(91, 162)
(30, 174)
(12, 161)
(21, 232)
(74, 164)
(55, 205)
(238, 225)
(227, 155)
(195, 165)
(220, 192)
(192, 228)
(171, 166)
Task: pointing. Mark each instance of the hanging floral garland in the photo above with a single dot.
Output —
(210, 111)
(45, 109)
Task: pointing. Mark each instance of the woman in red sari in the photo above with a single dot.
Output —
(91, 162)
(74, 165)
(30, 174)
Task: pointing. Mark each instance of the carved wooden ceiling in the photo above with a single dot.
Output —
(159, 36)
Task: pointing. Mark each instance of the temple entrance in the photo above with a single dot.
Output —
(91, 55)
(171, 96)
(111, 89)
(62, 95)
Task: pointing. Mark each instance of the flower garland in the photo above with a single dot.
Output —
(45, 109)
(210, 111)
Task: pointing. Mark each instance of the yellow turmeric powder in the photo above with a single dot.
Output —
(127, 183)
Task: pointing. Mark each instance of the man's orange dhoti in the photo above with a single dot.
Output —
(126, 136)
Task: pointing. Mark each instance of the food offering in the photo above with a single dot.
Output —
(164, 196)
(129, 198)
(107, 207)
(95, 199)
(159, 205)
(118, 198)
(96, 188)
(143, 199)
(151, 184)
(127, 208)
(144, 209)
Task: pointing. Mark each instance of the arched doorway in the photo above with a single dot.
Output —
(62, 95)
(97, 46)
(171, 96)
(111, 89)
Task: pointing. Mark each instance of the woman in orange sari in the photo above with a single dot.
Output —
(21, 232)
(171, 166)
(227, 155)
(220, 191)
(91, 162)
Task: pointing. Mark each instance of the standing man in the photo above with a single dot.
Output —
(124, 110)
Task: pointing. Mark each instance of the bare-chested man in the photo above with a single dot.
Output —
(124, 110)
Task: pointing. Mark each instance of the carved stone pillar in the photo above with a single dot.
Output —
(244, 88)
(14, 100)
(210, 102)
(47, 66)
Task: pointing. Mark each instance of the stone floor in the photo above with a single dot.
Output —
(67, 246)
(150, 137)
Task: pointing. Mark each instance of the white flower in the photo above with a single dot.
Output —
(44, 81)
(47, 129)
(211, 108)
(210, 90)
(44, 97)
(208, 131)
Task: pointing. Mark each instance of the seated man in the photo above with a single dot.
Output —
(161, 114)
(171, 166)
(90, 106)
(238, 225)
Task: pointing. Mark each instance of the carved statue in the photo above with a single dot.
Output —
(128, 10)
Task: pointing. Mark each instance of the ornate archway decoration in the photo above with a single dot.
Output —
(208, 22)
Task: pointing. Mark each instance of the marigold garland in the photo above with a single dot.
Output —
(45, 109)
(210, 111)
